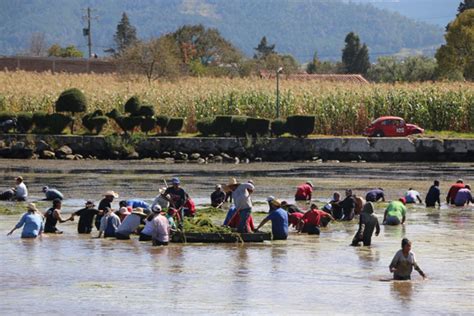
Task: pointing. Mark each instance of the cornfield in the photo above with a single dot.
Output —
(340, 108)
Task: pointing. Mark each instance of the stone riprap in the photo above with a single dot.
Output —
(216, 149)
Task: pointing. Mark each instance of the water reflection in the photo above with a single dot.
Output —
(369, 257)
(402, 290)
(394, 232)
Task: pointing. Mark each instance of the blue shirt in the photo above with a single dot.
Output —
(279, 218)
(134, 203)
(52, 194)
(33, 225)
(374, 195)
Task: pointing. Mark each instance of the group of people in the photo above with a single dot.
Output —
(155, 222)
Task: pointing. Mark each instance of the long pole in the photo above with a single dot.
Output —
(278, 94)
(89, 36)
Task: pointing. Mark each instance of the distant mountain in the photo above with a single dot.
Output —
(439, 12)
(297, 27)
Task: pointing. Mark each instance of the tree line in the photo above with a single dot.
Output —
(194, 50)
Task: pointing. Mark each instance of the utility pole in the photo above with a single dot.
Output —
(87, 31)
(89, 38)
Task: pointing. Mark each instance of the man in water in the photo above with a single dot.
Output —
(290, 208)
(241, 193)
(86, 218)
(433, 195)
(368, 222)
(217, 197)
(375, 195)
(52, 194)
(53, 216)
(454, 190)
(32, 223)
(279, 219)
(334, 206)
(105, 204)
(403, 263)
(313, 219)
(412, 196)
(304, 192)
(395, 214)
(348, 206)
(162, 199)
(177, 194)
(21, 192)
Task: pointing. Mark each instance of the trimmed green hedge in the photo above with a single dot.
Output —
(257, 126)
(300, 125)
(147, 124)
(205, 126)
(146, 110)
(162, 121)
(175, 125)
(24, 122)
(278, 127)
(237, 126)
(222, 125)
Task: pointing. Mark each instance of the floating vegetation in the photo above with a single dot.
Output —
(203, 224)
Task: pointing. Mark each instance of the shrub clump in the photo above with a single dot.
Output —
(147, 124)
(238, 126)
(162, 121)
(24, 122)
(300, 125)
(175, 125)
(222, 125)
(146, 111)
(73, 101)
(205, 126)
(257, 126)
(278, 127)
(132, 106)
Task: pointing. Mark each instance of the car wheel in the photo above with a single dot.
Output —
(379, 134)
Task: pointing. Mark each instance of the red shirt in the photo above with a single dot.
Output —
(303, 192)
(313, 217)
(453, 191)
(190, 206)
(234, 222)
(294, 218)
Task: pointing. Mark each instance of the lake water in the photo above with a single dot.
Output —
(72, 274)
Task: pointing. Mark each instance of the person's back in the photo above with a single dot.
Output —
(304, 192)
(109, 224)
(368, 222)
(279, 218)
(411, 196)
(348, 207)
(128, 226)
(86, 218)
(294, 218)
(453, 191)
(241, 196)
(433, 195)
(21, 192)
(161, 230)
(136, 203)
(375, 195)
(33, 225)
(51, 221)
(463, 196)
(53, 194)
(395, 213)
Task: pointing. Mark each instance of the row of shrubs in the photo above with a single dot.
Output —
(73, 101)
(239, 126)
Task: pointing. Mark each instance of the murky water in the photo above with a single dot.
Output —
(304, 275)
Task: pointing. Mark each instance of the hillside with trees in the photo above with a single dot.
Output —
(298, 28)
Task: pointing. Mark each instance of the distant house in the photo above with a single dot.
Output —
(264, 74)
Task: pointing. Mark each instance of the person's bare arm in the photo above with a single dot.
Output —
(264, 221)
(57, 215)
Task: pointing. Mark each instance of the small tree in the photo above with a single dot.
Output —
(73, 101)
(354, 56)
(37, 44)
(68, 52)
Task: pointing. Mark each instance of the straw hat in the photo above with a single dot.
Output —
(111, 193)
(231, 185)
(139, 211)
(32, 207)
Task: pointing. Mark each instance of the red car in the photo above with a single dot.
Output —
(391, 126)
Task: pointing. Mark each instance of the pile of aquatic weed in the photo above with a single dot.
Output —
(203, 224)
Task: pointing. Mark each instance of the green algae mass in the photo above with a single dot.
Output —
(203, 224)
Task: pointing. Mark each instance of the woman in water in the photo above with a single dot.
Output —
(403, 263)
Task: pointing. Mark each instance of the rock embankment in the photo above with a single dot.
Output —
(235, 150)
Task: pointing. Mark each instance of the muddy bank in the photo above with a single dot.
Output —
(235, 150)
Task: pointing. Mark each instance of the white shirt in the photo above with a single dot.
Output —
(241, 196)
(161, 229)
(21, 191)
(148, 229)
(129, 224)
